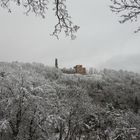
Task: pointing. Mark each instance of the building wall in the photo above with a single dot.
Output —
(80, 69)
(77, 69)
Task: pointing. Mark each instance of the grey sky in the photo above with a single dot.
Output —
(100, 40)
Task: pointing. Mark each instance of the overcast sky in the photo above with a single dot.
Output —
(101, 40)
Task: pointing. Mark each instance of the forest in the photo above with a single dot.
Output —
(39, 102)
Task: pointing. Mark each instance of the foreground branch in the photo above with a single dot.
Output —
(39, 8)
(129, 10)
(64, 20)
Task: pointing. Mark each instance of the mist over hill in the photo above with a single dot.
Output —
(125, 62)
(39, 102)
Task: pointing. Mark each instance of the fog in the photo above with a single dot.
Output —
(100, 40)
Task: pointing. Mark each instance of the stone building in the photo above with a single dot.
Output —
(77, 69)
(80, 69)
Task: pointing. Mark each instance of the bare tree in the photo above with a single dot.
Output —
(129, 10)
(39, 7)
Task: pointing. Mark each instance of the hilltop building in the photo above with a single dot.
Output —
(79, 69)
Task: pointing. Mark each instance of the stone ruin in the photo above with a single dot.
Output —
(79, 69)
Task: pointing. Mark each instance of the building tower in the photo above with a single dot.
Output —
(56, 63)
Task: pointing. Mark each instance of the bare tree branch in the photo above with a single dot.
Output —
(39, 7)
(64, 20)
(129, 10)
